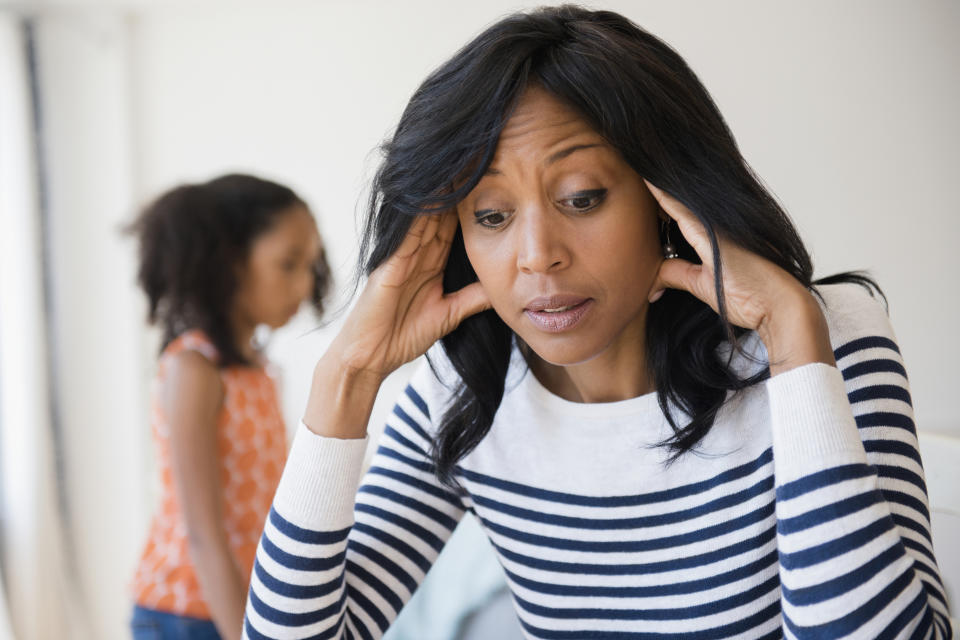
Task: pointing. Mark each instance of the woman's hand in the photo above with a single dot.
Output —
(400, 313)
(759, 295)
(402, 310)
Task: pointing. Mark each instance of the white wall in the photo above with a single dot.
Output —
(847, 110)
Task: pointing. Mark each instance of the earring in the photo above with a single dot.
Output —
(669, 249)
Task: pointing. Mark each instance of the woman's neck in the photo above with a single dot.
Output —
(616, 374)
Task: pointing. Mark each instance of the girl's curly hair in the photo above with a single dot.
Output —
(191, 240)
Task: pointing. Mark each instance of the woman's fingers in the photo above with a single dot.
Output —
(690, 226)
(430, 229)
(415, 234)
(677, 273)
(466, 302)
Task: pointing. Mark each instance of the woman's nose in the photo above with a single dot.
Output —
(542, 245)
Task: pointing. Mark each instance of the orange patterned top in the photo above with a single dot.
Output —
(252, 450)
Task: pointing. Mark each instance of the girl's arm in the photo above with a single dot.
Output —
(192, 396)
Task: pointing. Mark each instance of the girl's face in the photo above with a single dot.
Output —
(278, 273)
(563, 235)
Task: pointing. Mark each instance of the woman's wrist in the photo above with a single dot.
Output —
(341, 398)
(795, 333)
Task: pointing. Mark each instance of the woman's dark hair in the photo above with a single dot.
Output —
(640, 95)
(192, 240)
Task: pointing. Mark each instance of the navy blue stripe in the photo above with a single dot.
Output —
(569, 499)
(372, 581)
(359, 626)
(412, 423)
(426, 487)
(416, 505)
(885, 419)
(296, 591)
(909, 501)
(658, 590)
(928, 627)
(893, 446)
(606, 546)
(308, 536)
(916, 547)
(845, 583)
(880, 392)
(327, 634)
(419, 403)
(829, 513)
(899, 473)
(394, 435)
(420, 465)
(299, 563)
(287, 619)
(384, 563)
(851, 621)
(909, 523)
(408, 552)
(678, 613)
(881, 365)
(371, 610)
(724, 502)
(905, 617)
(662, 566)
(869, 342)
(931, 586)
(715, 633)
(424, 534)
(820, 479)
(833, 548)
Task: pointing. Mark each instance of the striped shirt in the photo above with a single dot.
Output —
(803, 512)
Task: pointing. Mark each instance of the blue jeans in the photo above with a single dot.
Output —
(148, 624)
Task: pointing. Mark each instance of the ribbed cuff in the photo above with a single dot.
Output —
(320, 480)
(813, 425)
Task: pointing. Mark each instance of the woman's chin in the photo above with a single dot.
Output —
(565, 354)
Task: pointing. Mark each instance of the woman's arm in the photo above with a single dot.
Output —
(853, 529)
(853, 523)
(193, 395)
(335, 561)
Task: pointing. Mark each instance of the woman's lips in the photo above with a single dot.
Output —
(556, 314)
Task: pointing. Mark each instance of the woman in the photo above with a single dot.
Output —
(663, 426)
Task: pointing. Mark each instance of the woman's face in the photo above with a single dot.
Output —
(278, 274)
(562, 234)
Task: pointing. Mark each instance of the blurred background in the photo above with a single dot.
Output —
(848, 111)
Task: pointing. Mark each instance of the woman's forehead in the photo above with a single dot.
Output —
(541, 124)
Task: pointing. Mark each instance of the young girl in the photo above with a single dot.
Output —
(216, 260)
(664, 425)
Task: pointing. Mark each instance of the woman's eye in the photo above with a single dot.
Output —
(491, 219)
(584, 200)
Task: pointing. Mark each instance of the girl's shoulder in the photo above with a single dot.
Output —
(192, 340)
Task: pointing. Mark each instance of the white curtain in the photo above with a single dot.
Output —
(73, 431)
(31, 558)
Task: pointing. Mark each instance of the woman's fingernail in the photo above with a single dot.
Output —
(656, 296)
